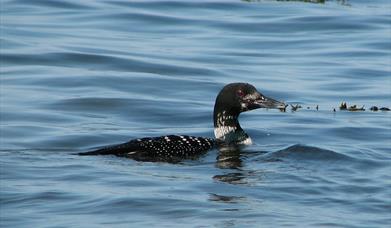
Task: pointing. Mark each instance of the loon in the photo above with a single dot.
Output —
(232, 100)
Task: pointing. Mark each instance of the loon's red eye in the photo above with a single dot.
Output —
(240, 93)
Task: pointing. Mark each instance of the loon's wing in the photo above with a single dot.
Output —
(119, 150)
(164, 148)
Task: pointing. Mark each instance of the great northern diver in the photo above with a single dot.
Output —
(232, 100)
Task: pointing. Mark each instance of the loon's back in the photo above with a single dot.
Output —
(168, 148)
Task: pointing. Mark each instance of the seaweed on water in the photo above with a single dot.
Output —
(341, 2)
(374, 108)
(343, 106)
(354, 108)
(295, 107)
(283, 109)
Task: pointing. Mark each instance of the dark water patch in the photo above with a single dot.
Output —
(352, 54)
(33, 116)
(367, 74)
(99, 61)
(141, 206)
(51, 4)
(146, 18)
(295, 25)
(37, 199)
(99, 103)
(333, 22)
(355, 132)
(191, 5)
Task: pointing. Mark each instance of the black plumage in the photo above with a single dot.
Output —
(232, 100)
(164, 148)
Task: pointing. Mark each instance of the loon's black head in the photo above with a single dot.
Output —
(235, 98)
(232, 100)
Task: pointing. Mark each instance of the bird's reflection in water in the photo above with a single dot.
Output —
(231, 158)
(225, 199)
(231, 178)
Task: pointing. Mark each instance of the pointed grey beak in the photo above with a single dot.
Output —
(267, 102)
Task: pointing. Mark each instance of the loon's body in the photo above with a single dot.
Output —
(233, 99)
(168, 148)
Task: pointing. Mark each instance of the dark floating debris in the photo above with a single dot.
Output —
(343, 106)
(354, 108)
(295, 107)
(384, 109)
(283, 109)
(374, 108)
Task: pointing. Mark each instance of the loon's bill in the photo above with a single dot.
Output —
(232, 100)
(268, 102)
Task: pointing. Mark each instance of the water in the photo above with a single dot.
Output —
(76, 75)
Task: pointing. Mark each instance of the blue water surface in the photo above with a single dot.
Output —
(77, 75)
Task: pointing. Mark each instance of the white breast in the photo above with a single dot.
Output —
(228, 134)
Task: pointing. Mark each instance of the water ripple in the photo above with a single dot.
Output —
(95, 61)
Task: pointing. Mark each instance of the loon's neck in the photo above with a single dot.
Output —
(227, 128)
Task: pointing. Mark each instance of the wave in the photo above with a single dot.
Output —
(98, 61)
(304, 152)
